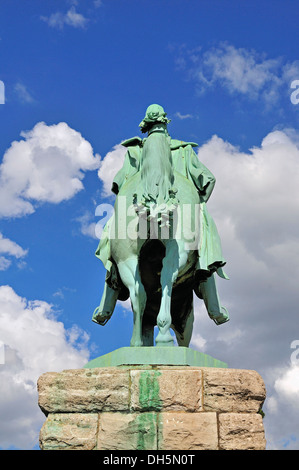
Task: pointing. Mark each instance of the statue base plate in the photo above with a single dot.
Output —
(153, 355)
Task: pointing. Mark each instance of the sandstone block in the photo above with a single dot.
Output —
(188, 431)
(231, 390)
(127, 431)
(241, 431)
(84, 391)
(69, 431)
(166, 390)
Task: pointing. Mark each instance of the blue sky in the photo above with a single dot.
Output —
(78, 77)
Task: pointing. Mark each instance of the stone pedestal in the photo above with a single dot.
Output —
(158, 407)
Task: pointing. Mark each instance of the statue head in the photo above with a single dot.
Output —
(154, 114)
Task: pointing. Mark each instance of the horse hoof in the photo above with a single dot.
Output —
(101, 317)
(223, 317)
(136, 344)
(164, 339)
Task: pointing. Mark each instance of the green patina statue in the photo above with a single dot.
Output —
(161, 244)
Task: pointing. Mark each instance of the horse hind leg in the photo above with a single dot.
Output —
(184, 334)
(148, 333)
(209, 293)
(129, 273)
(104, 311)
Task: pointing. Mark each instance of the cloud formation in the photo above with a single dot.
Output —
(23, 93)
(11, 249)
(183, 116)
(48, 165)
(87, 224)
(34, 343)
(239, 71)
(71, 18)
(109, 166)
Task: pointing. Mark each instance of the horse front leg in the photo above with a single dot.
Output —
(169, 275)
(129, 273)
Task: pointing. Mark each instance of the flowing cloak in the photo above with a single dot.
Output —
(186, 162)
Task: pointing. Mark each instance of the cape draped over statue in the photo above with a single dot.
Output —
(186, 162)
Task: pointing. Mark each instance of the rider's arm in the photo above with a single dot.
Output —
(203, 179)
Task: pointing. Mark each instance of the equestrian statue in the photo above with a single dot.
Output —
(161, 245)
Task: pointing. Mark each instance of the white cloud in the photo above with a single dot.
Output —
(125, 304)
(113, 161)
(257, 191)
(47, 166)
(23, 93)
(70, 18)
(4, 263)
(183, 116)
(11, 249)
(35, 342)
(62, 290)
(282, 406)
(109, 166)
(290, 71)
(255, 202)
(287, 385)
(198, 342)
(87, 224)
(239, 71)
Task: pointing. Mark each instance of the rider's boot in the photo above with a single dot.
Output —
(215, 310)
